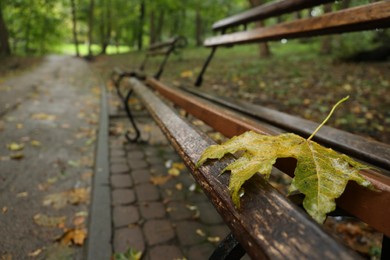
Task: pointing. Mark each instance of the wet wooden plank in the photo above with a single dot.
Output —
(370, 16)
(267, 225)
(360, 202)
(370, 151)
(265, 11)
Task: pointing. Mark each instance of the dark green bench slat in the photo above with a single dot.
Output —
(370, 16)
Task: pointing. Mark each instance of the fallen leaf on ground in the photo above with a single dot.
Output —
(73, 237)
(16, 156)
(174, 172)
(43, 116)
(35, 253)
(74, 196)
(19, 126)
(178, 165)
(179, 186)
(35, 143)
(47, 221)
(22, 194)
(4, 210)
(78, 221)
(160, 180)
(200, 232)
(186, 74)
(15, 147)
(6, 256)
(214, 239)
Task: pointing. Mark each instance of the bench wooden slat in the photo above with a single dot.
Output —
(267, 225)
(265, 11)
(359, 147)
(370, 16)
(362, 203)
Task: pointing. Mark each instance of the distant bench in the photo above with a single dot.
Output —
(164, 49)
(270, 225)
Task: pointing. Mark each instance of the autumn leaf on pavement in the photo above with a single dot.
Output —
(73, 236)
(15, 147)
(44, 116)
(48, 221)
(321, 174)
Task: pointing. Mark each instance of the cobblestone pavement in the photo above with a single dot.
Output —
(154, 210)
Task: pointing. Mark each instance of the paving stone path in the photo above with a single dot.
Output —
(168, 219)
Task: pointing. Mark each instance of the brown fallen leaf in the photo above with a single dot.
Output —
(200, 232)
(160, 180)
(44, 116)
(61, 199)
(35, 253)
(79, 220)
(47, 221)
(73, 237)
(22, 194)
(4, 210)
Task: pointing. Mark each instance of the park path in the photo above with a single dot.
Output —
(48, 122)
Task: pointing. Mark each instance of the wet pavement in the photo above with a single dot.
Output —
(52, 161)
(48, 121)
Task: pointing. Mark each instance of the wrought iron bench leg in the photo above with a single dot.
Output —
(385, 248)
(228, 249)
(131, 119)
(199, 80)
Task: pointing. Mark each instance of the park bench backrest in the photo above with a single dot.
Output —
(370, 16)
(165, 49)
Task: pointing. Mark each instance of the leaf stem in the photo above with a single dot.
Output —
(327, 118)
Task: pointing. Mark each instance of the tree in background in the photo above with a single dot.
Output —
(74, 27)
(5, 49)
(263, 47)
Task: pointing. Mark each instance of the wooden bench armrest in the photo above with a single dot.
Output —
(267, 225)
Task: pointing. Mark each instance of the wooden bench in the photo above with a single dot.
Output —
(269, 225)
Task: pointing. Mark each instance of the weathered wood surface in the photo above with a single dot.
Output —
(370, 151)
(265, 11)
(360, 202)
(370, 16)
(267, 225)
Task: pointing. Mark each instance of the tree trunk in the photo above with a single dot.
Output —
(74, 27)
(152, 30)
(90, 26)
(198, 31)
(263, 47)
(160, 26)
(5, 49)
(141, 25)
